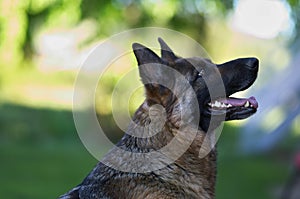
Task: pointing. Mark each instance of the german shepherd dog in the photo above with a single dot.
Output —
(188, 175)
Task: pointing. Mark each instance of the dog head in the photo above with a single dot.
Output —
(204, 77)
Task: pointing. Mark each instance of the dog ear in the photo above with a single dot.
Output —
(152, 70)
(166, 52)
(144, 55)
(149, 64)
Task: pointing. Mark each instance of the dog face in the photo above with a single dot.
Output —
(204, 77)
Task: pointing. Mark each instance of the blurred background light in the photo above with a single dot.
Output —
(262, 18)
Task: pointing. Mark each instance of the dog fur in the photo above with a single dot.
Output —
(189, 176)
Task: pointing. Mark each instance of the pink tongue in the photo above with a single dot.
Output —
(240, 101)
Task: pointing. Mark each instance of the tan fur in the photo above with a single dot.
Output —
(190, 175)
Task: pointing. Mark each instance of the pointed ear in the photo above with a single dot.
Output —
(166, 52)
(151, 68)
(144, 55)
(148, 62)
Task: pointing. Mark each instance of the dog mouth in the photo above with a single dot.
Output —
(234, 108)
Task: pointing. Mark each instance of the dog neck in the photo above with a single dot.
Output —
(203, 166)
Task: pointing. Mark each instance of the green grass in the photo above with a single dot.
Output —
(248, 177)
(42, 171)
(41, 155)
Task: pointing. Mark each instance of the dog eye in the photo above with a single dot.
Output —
(201, 73)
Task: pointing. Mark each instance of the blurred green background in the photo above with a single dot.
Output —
(43, 42)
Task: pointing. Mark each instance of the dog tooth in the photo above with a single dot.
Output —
(213, 104)
(218, 104)
(223, 105)
(247, 104)
(209, 104)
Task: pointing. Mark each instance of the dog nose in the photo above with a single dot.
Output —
(252, 63)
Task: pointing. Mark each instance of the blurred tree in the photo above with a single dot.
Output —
(21, 21)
